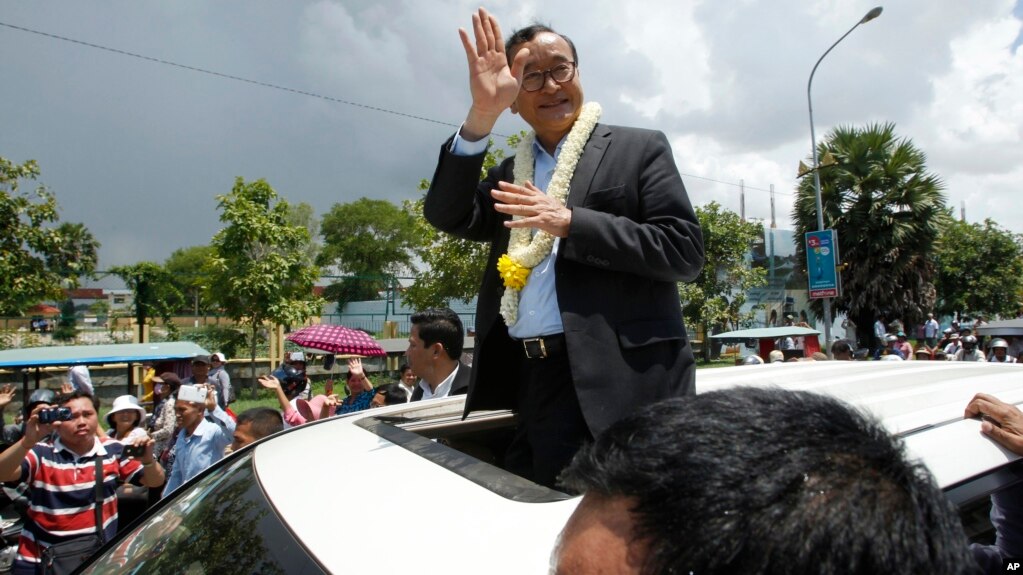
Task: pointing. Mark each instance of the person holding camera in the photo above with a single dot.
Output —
(62, 480)
(205, 431)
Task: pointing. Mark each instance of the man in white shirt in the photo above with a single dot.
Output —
(434, 348)
(201, 441)
(931, 328)
(880, 331)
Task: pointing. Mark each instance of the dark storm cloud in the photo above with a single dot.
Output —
(138, 150)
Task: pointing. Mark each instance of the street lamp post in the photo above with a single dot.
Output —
(874, 13)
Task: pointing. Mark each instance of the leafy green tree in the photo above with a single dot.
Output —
(258, 272)
(185, 266)
(154, 292)
(719, 292)
(66, 329)
(78, 254)
(453, 267)
(39, 259)
(100, 308)
(979, 269)
(888, 210)
(302, 214)
(370, 240)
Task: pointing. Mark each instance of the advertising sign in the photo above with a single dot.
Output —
(821, 262)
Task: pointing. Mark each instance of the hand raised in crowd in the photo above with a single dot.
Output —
(211, 396)
(269, 382)
(493, 84)
(66, 388)
(330, 402)
(1002, 421)
(6, 395)
(355, 368)
(328, 388)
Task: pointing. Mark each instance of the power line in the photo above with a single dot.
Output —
(748, 187)
(232, 77)
(296, 91)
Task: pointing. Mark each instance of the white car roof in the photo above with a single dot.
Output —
(359, 502)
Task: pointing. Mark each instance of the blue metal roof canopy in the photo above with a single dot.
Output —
(68, 355)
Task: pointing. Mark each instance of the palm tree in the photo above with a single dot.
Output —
(887, 210)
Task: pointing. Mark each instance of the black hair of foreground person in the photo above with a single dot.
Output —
(754, 480)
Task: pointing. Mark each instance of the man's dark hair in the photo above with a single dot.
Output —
(403, 368)
(64, 398)
(841, 346)
(754, 480)
(441, 324)
(393, 394)
(526, 34)
(263, 421)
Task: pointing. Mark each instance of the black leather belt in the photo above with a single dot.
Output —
(543, 347)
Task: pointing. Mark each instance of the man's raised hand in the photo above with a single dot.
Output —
(493, 84)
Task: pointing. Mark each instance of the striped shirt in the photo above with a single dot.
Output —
(62, 488)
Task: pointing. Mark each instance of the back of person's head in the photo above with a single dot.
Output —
(263, 421)
(754, 480)
(752, 360)
(393, 394)
(841, 347)
(440, 324)
(776, 356)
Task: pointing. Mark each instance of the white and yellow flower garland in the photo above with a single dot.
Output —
(526, 249)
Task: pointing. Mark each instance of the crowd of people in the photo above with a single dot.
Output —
(73, 473)
(958, 342)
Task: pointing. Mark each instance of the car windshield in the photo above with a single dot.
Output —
(221, 524)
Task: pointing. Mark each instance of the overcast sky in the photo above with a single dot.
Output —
(137, 150)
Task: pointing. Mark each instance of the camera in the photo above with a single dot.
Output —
(134, 450)
(55, 414)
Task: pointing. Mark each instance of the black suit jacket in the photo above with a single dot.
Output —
(633, 235)
(459, 386)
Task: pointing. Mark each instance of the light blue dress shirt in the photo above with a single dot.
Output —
(539, 313)
(203, 448)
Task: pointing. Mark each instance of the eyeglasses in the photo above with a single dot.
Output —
(561, 73)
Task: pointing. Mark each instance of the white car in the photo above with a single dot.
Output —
(415, 489)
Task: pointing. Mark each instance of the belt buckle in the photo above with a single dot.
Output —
(540, 345)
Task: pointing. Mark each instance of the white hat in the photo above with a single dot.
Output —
(218, 357)
(776, 356)
(125, 403)
(297, 356)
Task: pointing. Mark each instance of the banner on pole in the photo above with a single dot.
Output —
(821, 262)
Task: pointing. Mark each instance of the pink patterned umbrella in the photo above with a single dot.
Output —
(337, 339)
